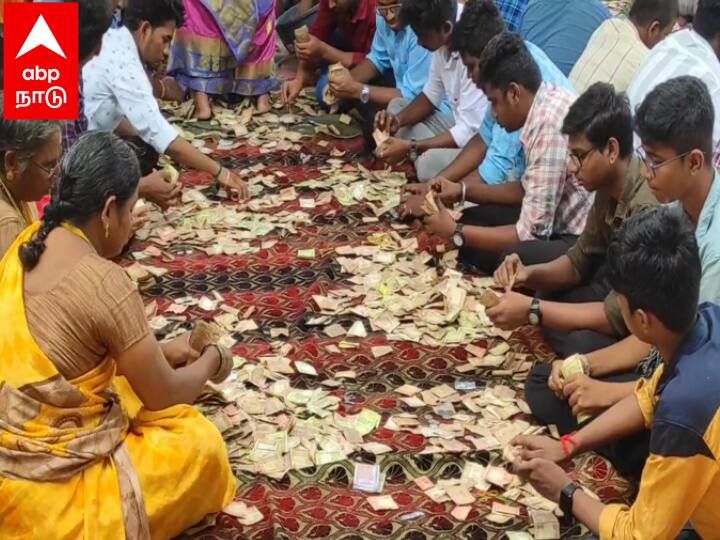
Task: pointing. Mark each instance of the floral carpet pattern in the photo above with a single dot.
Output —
(320, 502)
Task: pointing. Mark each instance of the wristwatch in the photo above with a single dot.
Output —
(365, 94)
(458, 238)
(566, 499)
(413, 150)
(535, 316)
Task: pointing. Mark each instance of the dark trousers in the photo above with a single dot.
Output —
(627, 456)
(531, 252)
(580, 341)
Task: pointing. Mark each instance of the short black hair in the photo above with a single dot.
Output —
(600, 114)
(677, 113)
(654, 262)
(706, 21)
(479, 23)
(95, 19)
(427, 15)
(156, 12)
(505, 60)
(644, 12)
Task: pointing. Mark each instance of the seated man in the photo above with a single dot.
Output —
(562, 29)
(395, 50)
(675, 124)
(119, 96)
(493, 155)
(692, 51)
(620, 45)
(342, 32)
(654, 267)
(546, 203)
(584, 315)
(418, 129)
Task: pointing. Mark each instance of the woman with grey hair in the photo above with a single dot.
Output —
(30, 153)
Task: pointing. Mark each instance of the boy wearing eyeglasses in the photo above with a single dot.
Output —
(675, 124)
(583, 315)
(395, 49)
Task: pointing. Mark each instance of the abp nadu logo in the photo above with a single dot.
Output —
(41, 61)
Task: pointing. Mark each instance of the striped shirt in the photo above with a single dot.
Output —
(682, 53)
(554, 202)
(613, 55)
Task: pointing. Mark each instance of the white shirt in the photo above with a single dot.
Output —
(116, 86)
(449, 78)
(682, 53)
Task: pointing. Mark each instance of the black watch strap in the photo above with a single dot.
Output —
(566, 498)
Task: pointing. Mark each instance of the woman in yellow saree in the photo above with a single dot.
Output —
(72, 463)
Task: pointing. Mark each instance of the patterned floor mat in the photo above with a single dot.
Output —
(320, 502)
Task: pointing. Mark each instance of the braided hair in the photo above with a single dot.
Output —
(99, 165)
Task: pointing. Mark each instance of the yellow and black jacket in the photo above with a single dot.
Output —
(681, 479)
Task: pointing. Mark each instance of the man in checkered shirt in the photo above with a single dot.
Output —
(540, 215)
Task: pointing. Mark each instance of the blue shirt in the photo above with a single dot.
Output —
(512, 11)
(505, 158)
(562, 28)
(401, 52)
(708, 239)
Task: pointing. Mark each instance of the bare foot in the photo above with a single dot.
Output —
(263, 104)
(203, 110)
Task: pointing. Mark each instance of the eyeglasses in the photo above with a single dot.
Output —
(652, 167)
(578, 161)
(389, 10)
(52, 172)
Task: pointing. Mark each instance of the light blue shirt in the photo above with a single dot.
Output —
(708, 239)
(562, 28)
(409, 61)
(505, 158)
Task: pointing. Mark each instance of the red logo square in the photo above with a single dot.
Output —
(41, 61)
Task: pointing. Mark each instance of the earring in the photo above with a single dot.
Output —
(107, 230)
(10, 176)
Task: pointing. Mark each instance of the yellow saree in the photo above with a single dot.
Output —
(73, 465)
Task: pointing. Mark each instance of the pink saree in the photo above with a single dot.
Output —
(226, 47)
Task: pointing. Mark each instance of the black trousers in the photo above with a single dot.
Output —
(531, 252)
(627, 456)
(580, 341)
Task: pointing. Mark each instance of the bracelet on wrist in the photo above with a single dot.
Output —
(216, 176)
(569, 443)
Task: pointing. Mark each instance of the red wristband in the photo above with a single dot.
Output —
(567, 441)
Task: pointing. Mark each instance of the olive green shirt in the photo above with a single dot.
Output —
(604, 220)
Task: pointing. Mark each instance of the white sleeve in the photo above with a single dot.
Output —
(434, 88)
(471, 109)
(135, 98)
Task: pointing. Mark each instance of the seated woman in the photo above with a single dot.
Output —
(71, 463)
(29, 156)
(226, 48)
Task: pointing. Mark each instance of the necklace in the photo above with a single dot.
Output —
(18, 207)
